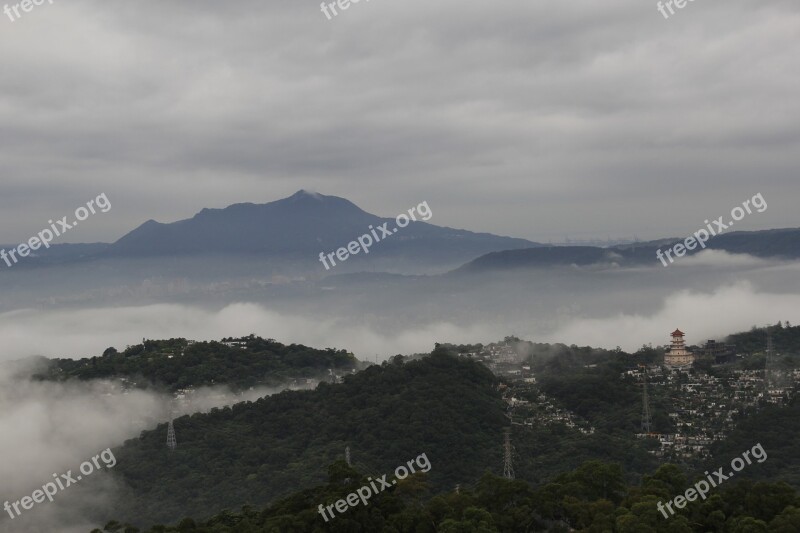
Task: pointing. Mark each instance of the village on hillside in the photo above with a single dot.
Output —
(704, 407)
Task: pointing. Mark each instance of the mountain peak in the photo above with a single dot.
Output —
(300, 226)
(305, 193)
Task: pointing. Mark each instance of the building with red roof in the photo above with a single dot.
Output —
(678, 356)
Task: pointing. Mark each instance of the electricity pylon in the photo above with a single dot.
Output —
(645, 403)
(171, 442)
(508, 467)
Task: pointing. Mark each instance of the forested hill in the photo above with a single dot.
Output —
(178, 363)
(253, 452)
(785, 339)
(591, 498)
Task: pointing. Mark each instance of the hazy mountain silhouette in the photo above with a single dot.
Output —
(305, 223)
(292, 231)
(774, 244)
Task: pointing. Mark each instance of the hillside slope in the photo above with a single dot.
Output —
(254, 452)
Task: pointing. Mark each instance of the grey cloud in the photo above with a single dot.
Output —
(578, 107)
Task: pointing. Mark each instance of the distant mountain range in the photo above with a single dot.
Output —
(775, 244)
(294, 230)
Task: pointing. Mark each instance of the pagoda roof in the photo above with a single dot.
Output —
(678, 333)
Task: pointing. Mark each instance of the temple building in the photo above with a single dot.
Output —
(678, 356)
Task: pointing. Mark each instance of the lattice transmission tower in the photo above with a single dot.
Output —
(645, 403)
(508, 466)
(769, 364)
(172, 443)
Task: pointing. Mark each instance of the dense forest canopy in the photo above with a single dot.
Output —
(592, 498)
(178, 363)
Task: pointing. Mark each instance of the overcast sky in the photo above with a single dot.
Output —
(535, 119)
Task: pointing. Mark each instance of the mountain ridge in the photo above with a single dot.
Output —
(296, 228)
